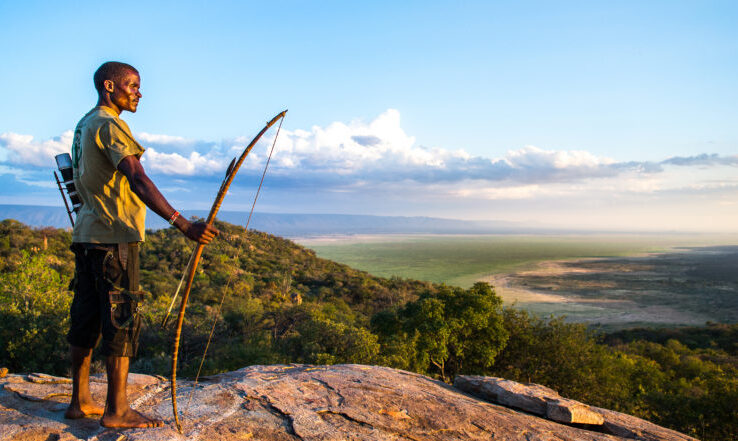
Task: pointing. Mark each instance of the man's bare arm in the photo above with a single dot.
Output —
(146, 190)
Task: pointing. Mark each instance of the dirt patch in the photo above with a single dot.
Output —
(684, 287)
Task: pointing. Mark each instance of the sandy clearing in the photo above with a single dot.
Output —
(510, 293)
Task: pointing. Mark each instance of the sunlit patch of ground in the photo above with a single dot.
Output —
(511, 294)
(685, 287)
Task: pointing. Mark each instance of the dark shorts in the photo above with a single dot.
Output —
(106, 299)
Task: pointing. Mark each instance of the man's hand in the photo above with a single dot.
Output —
(200, 232)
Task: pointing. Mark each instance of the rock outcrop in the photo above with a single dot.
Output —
(303, 402)
(547, 403)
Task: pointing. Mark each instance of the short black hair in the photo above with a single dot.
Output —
(110, 70)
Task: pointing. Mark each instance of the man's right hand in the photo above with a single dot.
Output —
(200, 232)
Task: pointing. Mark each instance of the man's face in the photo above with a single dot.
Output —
(126, 92)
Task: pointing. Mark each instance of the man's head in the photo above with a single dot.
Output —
(118, 86)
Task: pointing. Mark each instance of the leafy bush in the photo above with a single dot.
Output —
(34, 315)
(447, 331)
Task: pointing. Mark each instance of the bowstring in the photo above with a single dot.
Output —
(176, 293)
(231, 277)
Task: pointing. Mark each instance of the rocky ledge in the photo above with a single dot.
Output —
(340, 402)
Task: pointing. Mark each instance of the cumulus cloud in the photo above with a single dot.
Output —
(379, 156)
(25, 150)
(380, 151)
(177, 164)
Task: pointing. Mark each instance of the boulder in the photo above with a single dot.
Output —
(547, 403)
(288, 402)
(572, 412)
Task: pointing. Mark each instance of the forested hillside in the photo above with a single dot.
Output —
(284, 304)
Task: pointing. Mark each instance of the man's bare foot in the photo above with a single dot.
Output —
(77, 411)
(129, 420)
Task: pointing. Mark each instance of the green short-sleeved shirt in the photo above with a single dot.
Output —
(111, 212)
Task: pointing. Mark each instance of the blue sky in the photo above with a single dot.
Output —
(578, 114)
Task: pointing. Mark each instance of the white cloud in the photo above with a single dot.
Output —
(28, 177)
(348, 148)
(23, 149)
(380, 151)
(378, 156)
(534, 157)
(177, 164)
(169, 140)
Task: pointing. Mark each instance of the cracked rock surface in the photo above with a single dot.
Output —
(290, 402)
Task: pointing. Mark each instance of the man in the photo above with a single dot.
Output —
(115, 191)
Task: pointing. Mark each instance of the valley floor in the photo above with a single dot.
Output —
(614, 281)
(688, 286)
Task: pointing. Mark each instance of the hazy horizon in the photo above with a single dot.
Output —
(336, 226)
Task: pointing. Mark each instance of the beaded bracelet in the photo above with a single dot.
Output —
(174, 217)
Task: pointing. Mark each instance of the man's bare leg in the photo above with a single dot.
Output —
(81, 404)
(118, 413)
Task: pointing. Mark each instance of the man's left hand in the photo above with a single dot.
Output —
(200, 232)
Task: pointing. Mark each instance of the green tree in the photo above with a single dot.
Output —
(319, 335)
(696, 395)
(563, 356)
(446, 331)
(34, 312)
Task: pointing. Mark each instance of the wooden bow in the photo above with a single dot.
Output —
(195, 259)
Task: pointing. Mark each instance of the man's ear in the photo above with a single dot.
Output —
(109, 86)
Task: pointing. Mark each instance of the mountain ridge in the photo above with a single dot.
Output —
(295, 224)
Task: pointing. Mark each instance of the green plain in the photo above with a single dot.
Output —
(461, 260)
